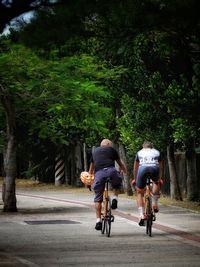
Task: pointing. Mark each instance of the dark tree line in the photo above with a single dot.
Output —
(83, 70)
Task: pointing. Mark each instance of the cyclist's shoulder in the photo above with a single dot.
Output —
(155, 150)
(104, 150)
(148, 151)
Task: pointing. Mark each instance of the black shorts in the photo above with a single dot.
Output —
(100, 180)
(142, 174)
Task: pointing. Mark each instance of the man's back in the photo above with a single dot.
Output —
(104, 157)
(148, 157)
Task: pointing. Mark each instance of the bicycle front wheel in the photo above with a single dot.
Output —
(149, 219)
(108, 219)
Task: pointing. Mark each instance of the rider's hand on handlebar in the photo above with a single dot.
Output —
(161, 181)
(133, 182)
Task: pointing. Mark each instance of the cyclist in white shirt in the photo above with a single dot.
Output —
(147, 162)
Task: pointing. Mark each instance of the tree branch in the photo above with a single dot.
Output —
(18, 7)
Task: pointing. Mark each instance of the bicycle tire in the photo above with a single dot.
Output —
(108, 218)
(149, 219)
(104, 214)
(105, 208)
(149, 226)
(103, 226)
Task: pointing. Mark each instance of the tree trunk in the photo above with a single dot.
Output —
(78, 164)
(72, 165)
(59, 167)
(126, 181)
(192, 182)
(9, 194)
(85, 160)
(68, 160)
(175, 191)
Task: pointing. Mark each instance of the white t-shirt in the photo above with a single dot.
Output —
(148, 157)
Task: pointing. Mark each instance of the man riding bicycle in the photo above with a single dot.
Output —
(147, 162)
(103, 166)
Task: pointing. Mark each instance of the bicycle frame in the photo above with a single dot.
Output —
(106, 197)
(107, 217)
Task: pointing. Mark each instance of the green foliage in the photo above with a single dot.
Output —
(164, 99)
(63, 100)
(154, 89)
(79, 108)
(183, 105)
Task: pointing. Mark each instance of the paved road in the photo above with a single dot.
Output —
(56, 229)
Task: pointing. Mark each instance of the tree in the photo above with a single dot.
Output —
(13, 76)
(164, 101)
(53, 100)
(8, 193)
(156, 41)
(11, 9)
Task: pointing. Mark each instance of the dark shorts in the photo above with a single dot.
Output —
(100, 180)
(143, 171)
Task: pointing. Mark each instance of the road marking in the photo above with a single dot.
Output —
(8, 259)
(161, 227)
(167, 229)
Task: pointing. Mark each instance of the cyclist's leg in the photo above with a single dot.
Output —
(156, 188)
(98, 186)
(116, 181)
(140, 186)
(156, 196)
(140, 205)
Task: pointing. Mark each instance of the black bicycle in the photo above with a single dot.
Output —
(107, 217)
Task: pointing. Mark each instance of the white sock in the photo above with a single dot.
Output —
(155, 199)
(141, 212)
(98, 220)
(115, 197)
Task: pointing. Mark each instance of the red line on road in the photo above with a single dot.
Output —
(161, 227)
(58, 199)
(127, 216)
(174, 231)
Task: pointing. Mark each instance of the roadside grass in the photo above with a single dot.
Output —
(167, 201)
(190, 205)
(29, 184)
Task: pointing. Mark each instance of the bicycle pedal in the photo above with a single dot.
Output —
(112, 218)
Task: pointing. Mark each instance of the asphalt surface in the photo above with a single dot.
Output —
(54, 229)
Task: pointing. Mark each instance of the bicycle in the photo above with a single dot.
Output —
(107, 216)
(148, 208)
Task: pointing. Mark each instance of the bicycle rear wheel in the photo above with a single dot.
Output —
(104, 214)
(149, 219)
(108, 218)
(103, 226)
(149, 225)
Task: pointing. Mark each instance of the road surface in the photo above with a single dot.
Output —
(56, 229)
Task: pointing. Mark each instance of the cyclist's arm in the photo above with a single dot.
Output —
(160, 169)
(122, 166)
(135, 168)
(91, 169)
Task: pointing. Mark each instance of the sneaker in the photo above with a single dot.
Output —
(155, 208)
(141, 222)
(98, 226)
(114, 204)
